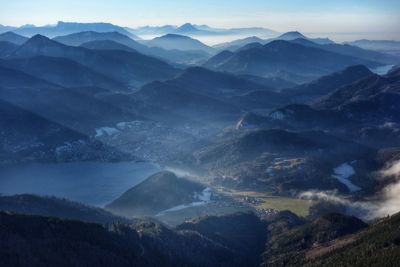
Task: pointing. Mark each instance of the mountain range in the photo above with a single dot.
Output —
(264, 152)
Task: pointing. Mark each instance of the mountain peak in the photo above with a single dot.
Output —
(174, 36)
(291, 35)
(187, 27)
(39, 39)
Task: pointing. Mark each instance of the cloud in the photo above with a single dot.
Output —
(386, 202)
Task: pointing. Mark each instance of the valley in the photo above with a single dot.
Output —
(268, 149)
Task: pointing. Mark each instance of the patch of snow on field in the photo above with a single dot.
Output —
(342, 173)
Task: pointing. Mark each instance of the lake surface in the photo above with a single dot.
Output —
(92, 183)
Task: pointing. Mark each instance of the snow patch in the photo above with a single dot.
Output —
(342, 173)
(106, 131)
(277, 115)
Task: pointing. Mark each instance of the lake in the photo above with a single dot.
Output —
(92, 183)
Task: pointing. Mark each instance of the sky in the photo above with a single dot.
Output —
(378, 18)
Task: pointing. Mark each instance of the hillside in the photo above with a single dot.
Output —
(157, 193)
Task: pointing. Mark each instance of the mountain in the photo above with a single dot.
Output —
(290, 36)
(26, 137)
(65, 104)
(224, 229)
(189, 29)
(57, 207)
(371, 100)
(354, 51)
(4, 28)
(263, 100)
(6, 48)
(154, 30)
(236, 44)
(327, 84)
(77, 39)
(179, 42)
(12, 38)
(364, 89)
(381, 237)
(179, 105)
(389, 46)
(287, 248)
(271, 82)
(106, 45)
(174, 56)
(131, 68)
(197, 30)
(283, 56)
(64, 72)
(215, 84)
(64, 28)
(148, 244)
(253, 144)
(156, 194)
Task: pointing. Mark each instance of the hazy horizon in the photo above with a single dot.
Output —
(339, 20)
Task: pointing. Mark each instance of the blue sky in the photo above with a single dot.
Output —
(305, 15)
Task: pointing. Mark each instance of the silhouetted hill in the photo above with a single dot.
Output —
(157, 193)
(106, 45)
(12, 38)
(56, 207)
(179, 42)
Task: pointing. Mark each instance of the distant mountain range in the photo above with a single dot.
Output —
(284, 59)
(201, 30)
(64, 28)
(178, 42)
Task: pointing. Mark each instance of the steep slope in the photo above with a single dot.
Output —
(250, 243)
(378, 245)
(288, 248)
